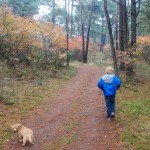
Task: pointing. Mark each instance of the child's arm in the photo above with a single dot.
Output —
(117, 83)
(100, 84)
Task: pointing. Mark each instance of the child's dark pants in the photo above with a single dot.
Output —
(110, 105)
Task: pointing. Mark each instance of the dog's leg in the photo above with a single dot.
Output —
(31, 140)
(21, 138)
(24, 141)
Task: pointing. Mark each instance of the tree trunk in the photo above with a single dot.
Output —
(71, 21)
(111, 39)
(117, 11)
(88, 35)
(53, 15)
(133, 22)
(121, 25)
(82, 31)
(83, 44)
(67, 18)
(102, 35)
(67, 51)
(125, 25)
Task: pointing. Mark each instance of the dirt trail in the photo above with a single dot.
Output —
(76, 120)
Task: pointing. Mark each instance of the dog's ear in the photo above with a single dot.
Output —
(19, 126)
(12, 126)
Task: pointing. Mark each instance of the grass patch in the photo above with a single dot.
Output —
(133, 114)
(5, 134)
(145, 73)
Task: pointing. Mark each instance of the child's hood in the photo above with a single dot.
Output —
(107, 78)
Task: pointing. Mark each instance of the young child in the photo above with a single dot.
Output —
(109, 83)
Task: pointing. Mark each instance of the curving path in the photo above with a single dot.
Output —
(76, 120)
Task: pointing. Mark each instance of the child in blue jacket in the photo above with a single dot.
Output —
(109, 83)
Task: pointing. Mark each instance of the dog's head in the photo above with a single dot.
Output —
(16, 127)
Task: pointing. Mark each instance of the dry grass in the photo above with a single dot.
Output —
(27, 95)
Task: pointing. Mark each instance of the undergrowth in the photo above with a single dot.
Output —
(133, 114)
(28, 93)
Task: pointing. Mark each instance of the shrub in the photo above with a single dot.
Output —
(146, 53)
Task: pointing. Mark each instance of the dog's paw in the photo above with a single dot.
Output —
(32, 143)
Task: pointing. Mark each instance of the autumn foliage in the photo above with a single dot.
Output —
(143, 40)
(143, 50)
(26, 40)
(134, 56)
(75, 43)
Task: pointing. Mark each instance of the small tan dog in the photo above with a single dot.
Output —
(25, 134)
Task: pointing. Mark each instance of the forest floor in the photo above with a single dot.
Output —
(76, 120)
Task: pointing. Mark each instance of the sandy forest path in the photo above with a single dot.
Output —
(76, 120)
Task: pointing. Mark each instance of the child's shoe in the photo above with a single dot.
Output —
(113, 115)
(108, 119)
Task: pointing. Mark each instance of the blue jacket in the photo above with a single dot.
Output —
(109, 84)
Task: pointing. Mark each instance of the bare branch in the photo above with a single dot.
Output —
(140, 22)
(116, 1)
(139, 5)
(137, 1)
(146, 4)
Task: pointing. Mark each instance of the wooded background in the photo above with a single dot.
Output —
(72, 28)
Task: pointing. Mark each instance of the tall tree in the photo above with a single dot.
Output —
(143, 20)
(3, 2)
(51, 17)
(67, 16)
(121, 26)
(24, 7)
(133, 22)
(88, 10)
(82, 28)
(53, 11)
(111, 39)
(135, 9)
(102, 27)
(117, 15)
(71, 18)
(88, 34)
(125, 19)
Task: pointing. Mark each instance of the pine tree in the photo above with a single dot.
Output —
(24, 7)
